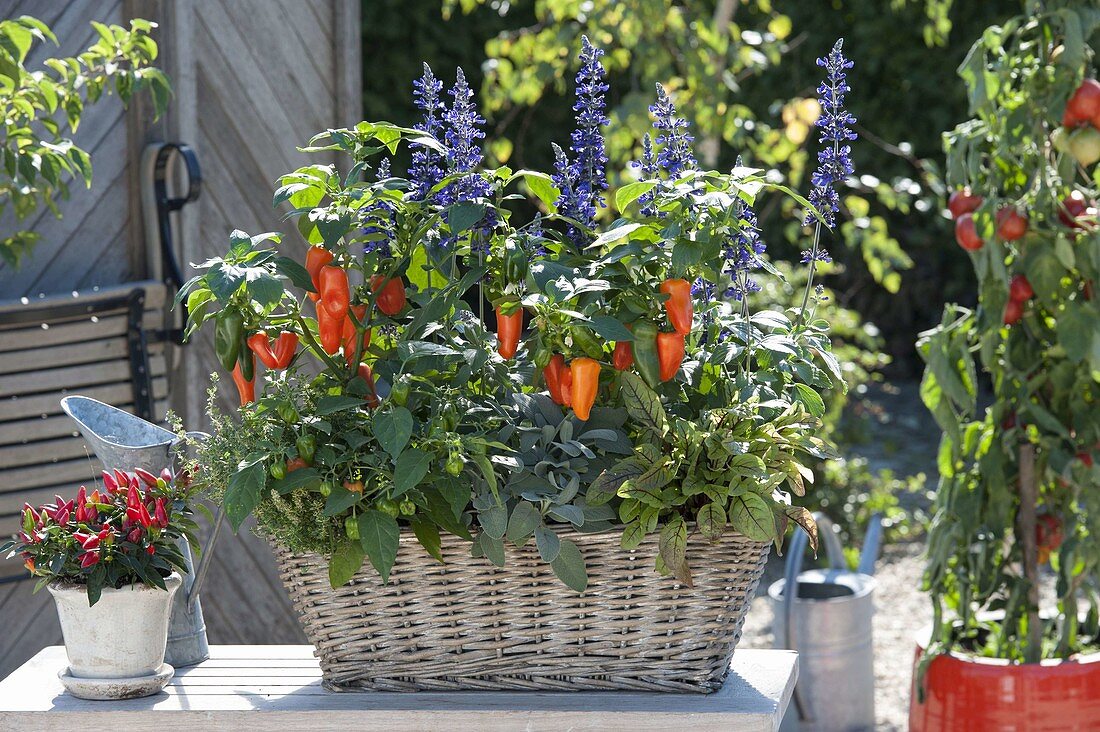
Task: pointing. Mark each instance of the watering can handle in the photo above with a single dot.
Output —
(204, 561)
(872, 542)
(795, 552)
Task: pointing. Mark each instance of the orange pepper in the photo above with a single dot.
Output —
(509, 328)
(585, 373)
(350, 333)
(330, 329)
(553, 373)
(285, 347)
(678, 305)
(316, 258)
(335, 293)
(670, 353)
(259, 344)
(372, 395)
(390, 294)
(245, 389)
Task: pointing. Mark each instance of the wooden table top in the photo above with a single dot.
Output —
(279, 687)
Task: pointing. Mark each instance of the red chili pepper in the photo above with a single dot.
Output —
(585, 373)
(150, 550)
(89, 559)
(146, 477)
(296, 463)
(160, 514)
(509, 328)
(335, 293)
(245, 389)
(372, 394)
(259, 344)
(136, 510)
(349, 333)
(670, 353)
(553, 373)
(330, 330)
(678, 306)
(567, 387)
(622, 357)
(390, 297)
(316, 258)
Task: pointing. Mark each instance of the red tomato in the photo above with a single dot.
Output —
(1014, 311)
(1084, 104)
(1011, 224)
(1019, 289)
(963, 201)
(1073, 208)
(966, 234)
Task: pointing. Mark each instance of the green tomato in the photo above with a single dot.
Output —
(351, 528)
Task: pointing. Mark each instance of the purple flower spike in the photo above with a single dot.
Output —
(426, 169)
(675, 155)
(834, 163)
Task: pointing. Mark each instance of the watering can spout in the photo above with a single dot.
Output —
(124, 441)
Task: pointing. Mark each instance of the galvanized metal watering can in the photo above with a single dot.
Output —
(827, 619)
(121, 440)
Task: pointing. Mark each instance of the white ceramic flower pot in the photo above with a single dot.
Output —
(115, 647)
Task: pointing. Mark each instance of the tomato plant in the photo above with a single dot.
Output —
(1014, 491)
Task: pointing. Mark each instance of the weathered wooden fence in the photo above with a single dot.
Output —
(252, 80)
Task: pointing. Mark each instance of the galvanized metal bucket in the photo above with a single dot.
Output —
(827, 619)
(121, 440)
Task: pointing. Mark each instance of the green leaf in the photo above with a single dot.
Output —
(525, 519)
(750, 515)
(393, 429)
(607, 484)
(810, 399)
(294, 272)
(610, 329)
(494, 521)
(463, 215)
(642, 404)
(711, 520)
(542, 186)
(672, 548)
(345, 562)
(336, 403)
(548, 543)
(631, 192)
(569, 567)
(243, 493)
(1077, 327)
(340, 500)
(633, 535)
(427, 534)
(298, 479)
(412, 466)
(805, 520)
(380, 536)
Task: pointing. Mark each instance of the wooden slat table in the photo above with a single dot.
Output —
(279, 688)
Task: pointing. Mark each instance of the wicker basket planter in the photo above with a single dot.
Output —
(471, 625)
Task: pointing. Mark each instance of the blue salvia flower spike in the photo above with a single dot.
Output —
(834, 162)
(675, 155)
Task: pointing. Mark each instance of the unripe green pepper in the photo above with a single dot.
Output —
(351, 528)
(277, 470)
(515, 263)
(646, 359)
(454, 464)
(408, 508)
(389, 507)
(288, 413)
(307, 446)
(246, 360)
(326, 489)
(541, 356)
(228, 330)
(586, 341)
(399, 393)
(450, 418)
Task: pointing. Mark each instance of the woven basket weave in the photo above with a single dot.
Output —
(470, 625)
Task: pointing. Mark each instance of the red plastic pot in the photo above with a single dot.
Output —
(977, 694)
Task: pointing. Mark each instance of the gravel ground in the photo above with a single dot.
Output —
(901, 609)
